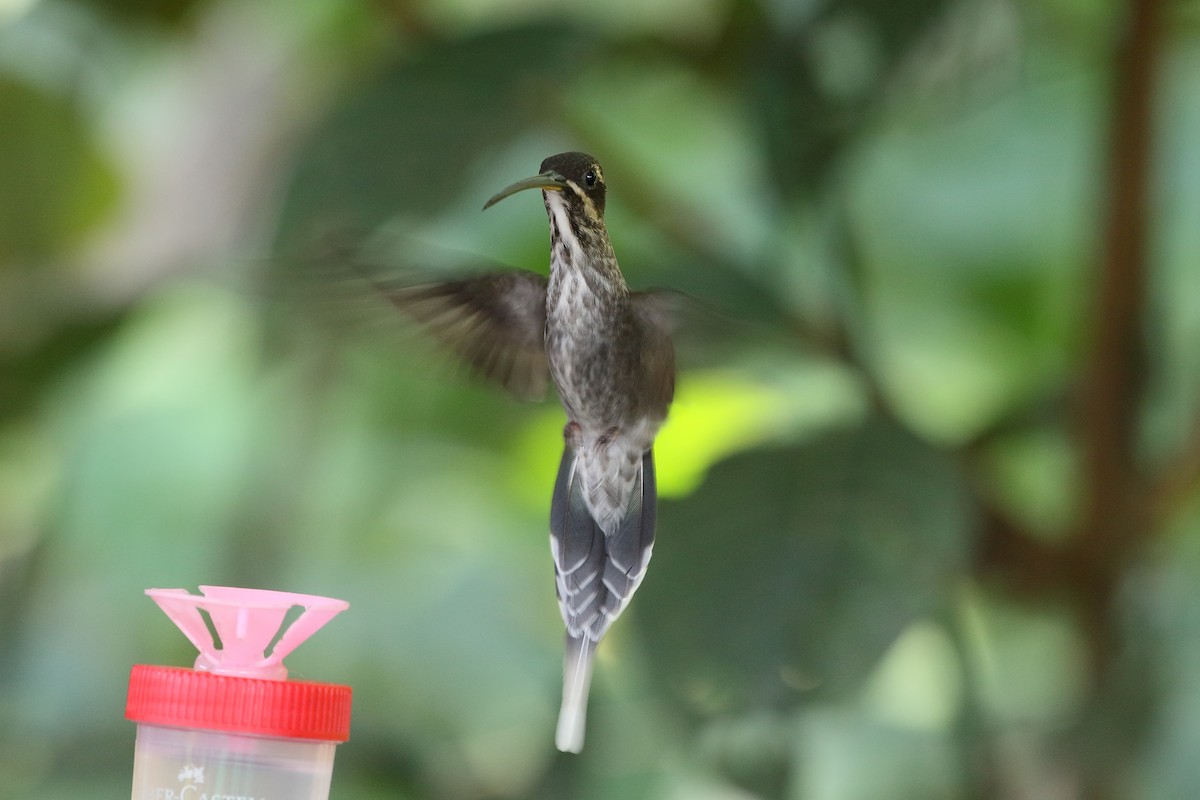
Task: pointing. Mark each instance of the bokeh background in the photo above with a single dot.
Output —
(930, 524)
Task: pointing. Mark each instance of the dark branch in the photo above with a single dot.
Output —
(1112, 383)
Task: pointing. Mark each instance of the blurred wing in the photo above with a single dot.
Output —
(495, 322)
(661, 309)
(706, 333)
(657, 313)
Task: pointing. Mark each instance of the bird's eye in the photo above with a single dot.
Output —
(589, 178)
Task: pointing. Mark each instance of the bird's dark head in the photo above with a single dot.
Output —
(576, 175)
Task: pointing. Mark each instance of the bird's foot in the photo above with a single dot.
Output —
(572, 434)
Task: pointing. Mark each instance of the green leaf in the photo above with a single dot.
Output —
(790, 571)
(26, 372)
(409, 140)
(55, 183)
(171, 13)
(811, 82)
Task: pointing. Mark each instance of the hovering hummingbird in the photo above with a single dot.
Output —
(608, 352)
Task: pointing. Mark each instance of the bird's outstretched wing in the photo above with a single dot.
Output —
(657, 313)
(495, 322)
(661, 309)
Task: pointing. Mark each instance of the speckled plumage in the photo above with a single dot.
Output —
(609, 355)
(594, 344)
(613, 365)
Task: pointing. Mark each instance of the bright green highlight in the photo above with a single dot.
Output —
(716, 414)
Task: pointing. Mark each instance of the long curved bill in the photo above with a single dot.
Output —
(551, 181)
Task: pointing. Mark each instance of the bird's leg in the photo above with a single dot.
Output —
(572, 435)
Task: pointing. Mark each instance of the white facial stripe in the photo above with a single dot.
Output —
(558, 207)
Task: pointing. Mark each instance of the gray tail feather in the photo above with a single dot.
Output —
(595, 578)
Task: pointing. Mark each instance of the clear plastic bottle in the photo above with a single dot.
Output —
(234, 727)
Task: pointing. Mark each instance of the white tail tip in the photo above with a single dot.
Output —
(577, 680)
(571, 723)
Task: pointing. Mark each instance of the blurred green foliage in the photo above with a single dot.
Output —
(868, 581)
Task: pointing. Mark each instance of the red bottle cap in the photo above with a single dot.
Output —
(186, 698)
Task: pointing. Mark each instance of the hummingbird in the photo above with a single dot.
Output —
(609, 354)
